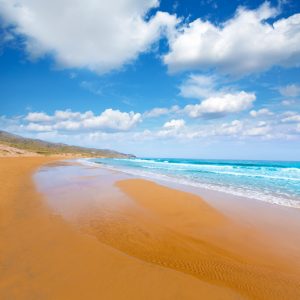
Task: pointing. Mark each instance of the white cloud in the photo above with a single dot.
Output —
(242, 129)
(38, 127)
(109, 129)
(257, 131)
(66, 114)
(67, 125)
(171, 128)
(156, 112)
(38, 117)
(291, 117)
(198, 86)
(160, 111)
(174, 124)
(291, 90)
(244, 44)
(97, 35)
(260, 112)
(108, 120)
(221, 105)
(232, 128)
(217, 102)
(236, 129)
(113, 119)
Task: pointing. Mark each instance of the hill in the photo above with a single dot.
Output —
(11, 144)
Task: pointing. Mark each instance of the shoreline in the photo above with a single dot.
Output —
(235, 253)
(200, 188)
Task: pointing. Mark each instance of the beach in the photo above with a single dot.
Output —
(150, 150)
(84, 232)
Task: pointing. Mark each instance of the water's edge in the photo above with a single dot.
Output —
(272, 182)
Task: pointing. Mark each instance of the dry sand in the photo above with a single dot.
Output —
(8, 151)
(44, 257)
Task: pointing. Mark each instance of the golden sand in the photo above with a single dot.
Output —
(251, 249)
(184, 233)
(43, 257)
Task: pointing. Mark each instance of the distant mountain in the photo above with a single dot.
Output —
(47, 148)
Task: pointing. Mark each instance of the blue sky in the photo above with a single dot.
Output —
(204, 79)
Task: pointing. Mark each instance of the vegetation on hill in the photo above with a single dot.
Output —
(47, 148)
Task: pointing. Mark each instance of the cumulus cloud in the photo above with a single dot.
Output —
(257, 131)
(260, 112)
(174, 124)
(160, 111)
(38, 117)
(38, 127)
(113, 119)
(100, 130)
(67, 125)
(291, 117)
(221, 105)
(198, 86)
(233, 128)
(156, 112)
(242, 129)
(248, 42)
(97, 35)
(108, 120)
(68, 114)
(172, 128)
(291, 90)
(214, 101)
(236, 129)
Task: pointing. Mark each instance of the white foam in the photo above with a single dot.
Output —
(294, 173)
(237, 191)
(86, 162)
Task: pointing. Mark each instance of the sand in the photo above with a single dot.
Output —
(154, 243)
(44, 257)
(183, 232)
(8, 151)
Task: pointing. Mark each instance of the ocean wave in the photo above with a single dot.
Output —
(268, 186)
(262, 172)
(240, 192)
(233, 163)
(87, 162)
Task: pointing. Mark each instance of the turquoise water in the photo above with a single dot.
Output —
(271, 181)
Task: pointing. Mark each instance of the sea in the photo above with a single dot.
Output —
(276, 182)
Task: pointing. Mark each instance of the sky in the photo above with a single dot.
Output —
(195, 79)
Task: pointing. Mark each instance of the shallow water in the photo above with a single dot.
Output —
(270, 181)
(75, 191)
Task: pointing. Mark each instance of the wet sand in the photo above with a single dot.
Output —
(187, 234)
(42, 256)
(99, 234)
(252, 248)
